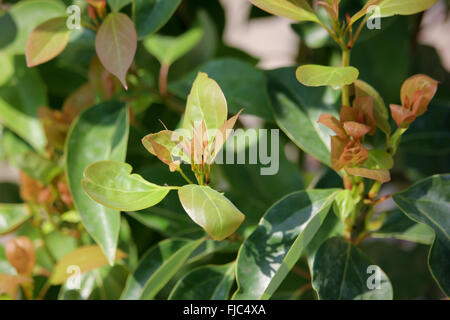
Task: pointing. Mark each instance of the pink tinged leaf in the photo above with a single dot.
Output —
(47, 41)
(199, 144)
(161, 152)
(402, 116)
(337, 149)
(331, 122)
(356, 130)
(418, 82)
(222, 136)
(379, 175)
(116, 43)
(365, 106)
(354, 154)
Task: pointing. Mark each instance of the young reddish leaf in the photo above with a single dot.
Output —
(418, 91)
(348, 114)
(355, 129)
(116, 44)
(47, 41)
(331, 122)
(337, 149)
(354, 154)
(379, 175)
(222, 135)
(365, 107)
(161, 145)
(402, 116)
(199, 144)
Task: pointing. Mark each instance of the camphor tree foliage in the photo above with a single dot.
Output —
(115, 112)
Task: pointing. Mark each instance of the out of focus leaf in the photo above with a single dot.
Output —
(116, 44)
(12, 216)
(298, 10)
(47, 41)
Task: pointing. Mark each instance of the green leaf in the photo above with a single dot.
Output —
(428, 202)
(298, 10)
(27, 15)
(117, 5)
(205, 283)
(243, 85)
(158, 265)
(86, 258)
(205, 102)
(20, 98)
(379, 159)
(389, 8)
(151, 15)
(116, 43)
(60, 244)
(47, 41)
(12, 216)
(270, 252)
(297, 109)
(100, 133)
(313, 75)
(341, 272)
(344, 204)
(398, 226)
(169, 49)
(380, 112)
(111, 184)
(210, 210)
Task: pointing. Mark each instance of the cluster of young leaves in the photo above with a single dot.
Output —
(75, 181)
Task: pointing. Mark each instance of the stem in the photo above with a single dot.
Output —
(163, 74)
(184, 176)
(345, 88)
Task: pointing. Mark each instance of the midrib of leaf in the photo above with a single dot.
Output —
(116, 42)
(54, 39)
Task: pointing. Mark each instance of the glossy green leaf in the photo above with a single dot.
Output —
(205, 283)
(298, 10)
(344, 204)
(270, 252)
(169, 49)
(27, 15)
(313, 75)
(428, 202)
(111, 184)
(342, 272)
(297, 109)
(206, 102)
(86, 258)
(380, 112)
(117, 5)
(47, 41)
(388, 8)
(20, 98)
(398, 226)
(100, 133)
(12, 216)
(250, 94)
(151, 15)
(158, 265)
(116, 43)
(211, 210)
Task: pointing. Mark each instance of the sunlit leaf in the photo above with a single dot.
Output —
(85, 258)
(210, 210)
(111, 184)
(205, 283)
(270, 252)
(116, 44)
(47, 41)
(298, 10)
(379, 159)
(206, 102)
(344, 204)
(316, 76)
